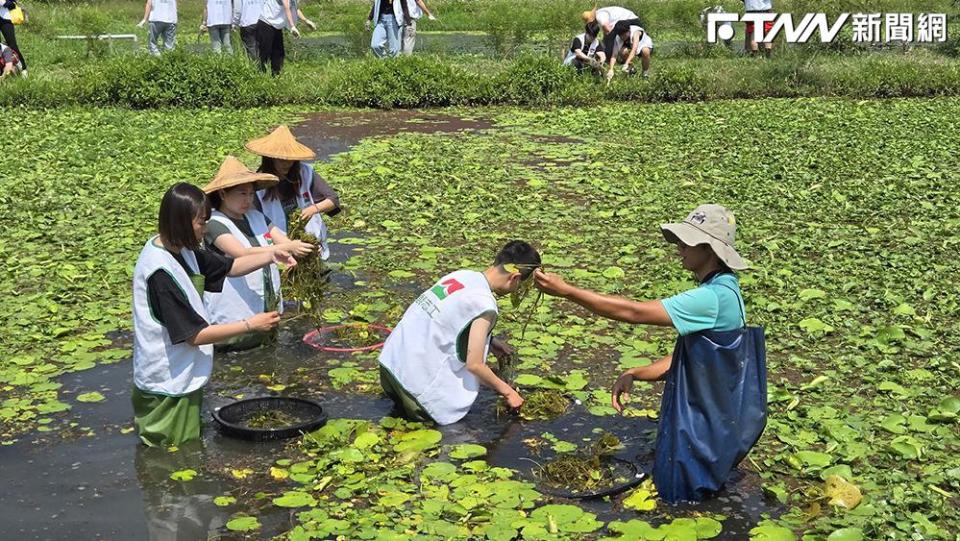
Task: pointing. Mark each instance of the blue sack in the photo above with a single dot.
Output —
(713, 411)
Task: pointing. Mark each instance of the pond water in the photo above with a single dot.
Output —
(94, 481)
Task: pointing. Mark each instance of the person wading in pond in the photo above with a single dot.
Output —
(274, 17)
(711, 322)
(387, 21)
(434, 361)
(236, 228)
(583, 51)
(172, 334)
(300, 188)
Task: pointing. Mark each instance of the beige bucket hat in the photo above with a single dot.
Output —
(708, 224)
(282, 145)
(232, 172)
(589, 16)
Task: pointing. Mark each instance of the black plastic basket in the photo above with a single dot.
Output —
(635, 477)
(231, 416)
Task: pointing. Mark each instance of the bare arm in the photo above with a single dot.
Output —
(146, 12)
(476, 363)
(218, 333)
(289, 14)
(633, 51)
(609, 306)
(232, 247)
(249, 263)
(423, 7)
(306, 20)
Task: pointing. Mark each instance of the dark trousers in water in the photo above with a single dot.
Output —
(270, 47)
(248, 35)
(10, 38)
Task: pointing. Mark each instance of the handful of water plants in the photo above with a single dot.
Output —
(518, 296)
(307, 281)
(544, 405)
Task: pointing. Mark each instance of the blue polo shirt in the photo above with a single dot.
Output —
(715, 305)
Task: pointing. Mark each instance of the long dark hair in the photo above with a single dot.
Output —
(288, 186)
(181, 204)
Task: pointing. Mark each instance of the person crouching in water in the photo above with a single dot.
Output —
(434, 361)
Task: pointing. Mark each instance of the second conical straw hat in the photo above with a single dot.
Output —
(232, 172)
(282, 145)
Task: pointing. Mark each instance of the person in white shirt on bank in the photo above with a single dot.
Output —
(758, 6)
(408, 32)
(434, 361)
(217, 18)
(274, 17)
(632, 41)
(246, 13)
(387, 22)
(162, 16)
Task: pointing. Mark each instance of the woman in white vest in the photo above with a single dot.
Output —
(300, 189)
(583, 49)
(172, 335)
(632, 42)
(434, 361)
(217, 18)
(236, 228)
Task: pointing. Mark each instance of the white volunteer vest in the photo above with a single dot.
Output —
(274, 14)
(160, 366)
(163, 11)
(273, 208)
(412, 8)
(421, 352)
(219, 12)
(589, 52)
(246, 12)
(242, 296)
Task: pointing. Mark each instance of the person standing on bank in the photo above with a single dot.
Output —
(408, 33)
(236, 229)
(217, 18)
(162, 16)
(9, 32)
(300, 188)
(385, 40)
(246, 13)
(274, 17)
(714, 403)
(172, 334)
(750, 43)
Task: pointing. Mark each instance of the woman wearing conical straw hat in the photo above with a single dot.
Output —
(173, 336)
(300, 188)
(235, 229)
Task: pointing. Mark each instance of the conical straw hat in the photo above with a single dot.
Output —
(232, 172)
(282, 145)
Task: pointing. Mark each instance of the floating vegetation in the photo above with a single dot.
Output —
(307, 281)
(355, 335)
(544, 405)
(584, 472)
(271, 419)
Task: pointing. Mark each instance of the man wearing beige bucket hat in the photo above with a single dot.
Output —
(613, 20)
(300, 188)
(235, 229)
(713, 314)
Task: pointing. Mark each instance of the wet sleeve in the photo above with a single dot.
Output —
(215, 268)
(170, 307)
(693, 311)
(321, 190)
